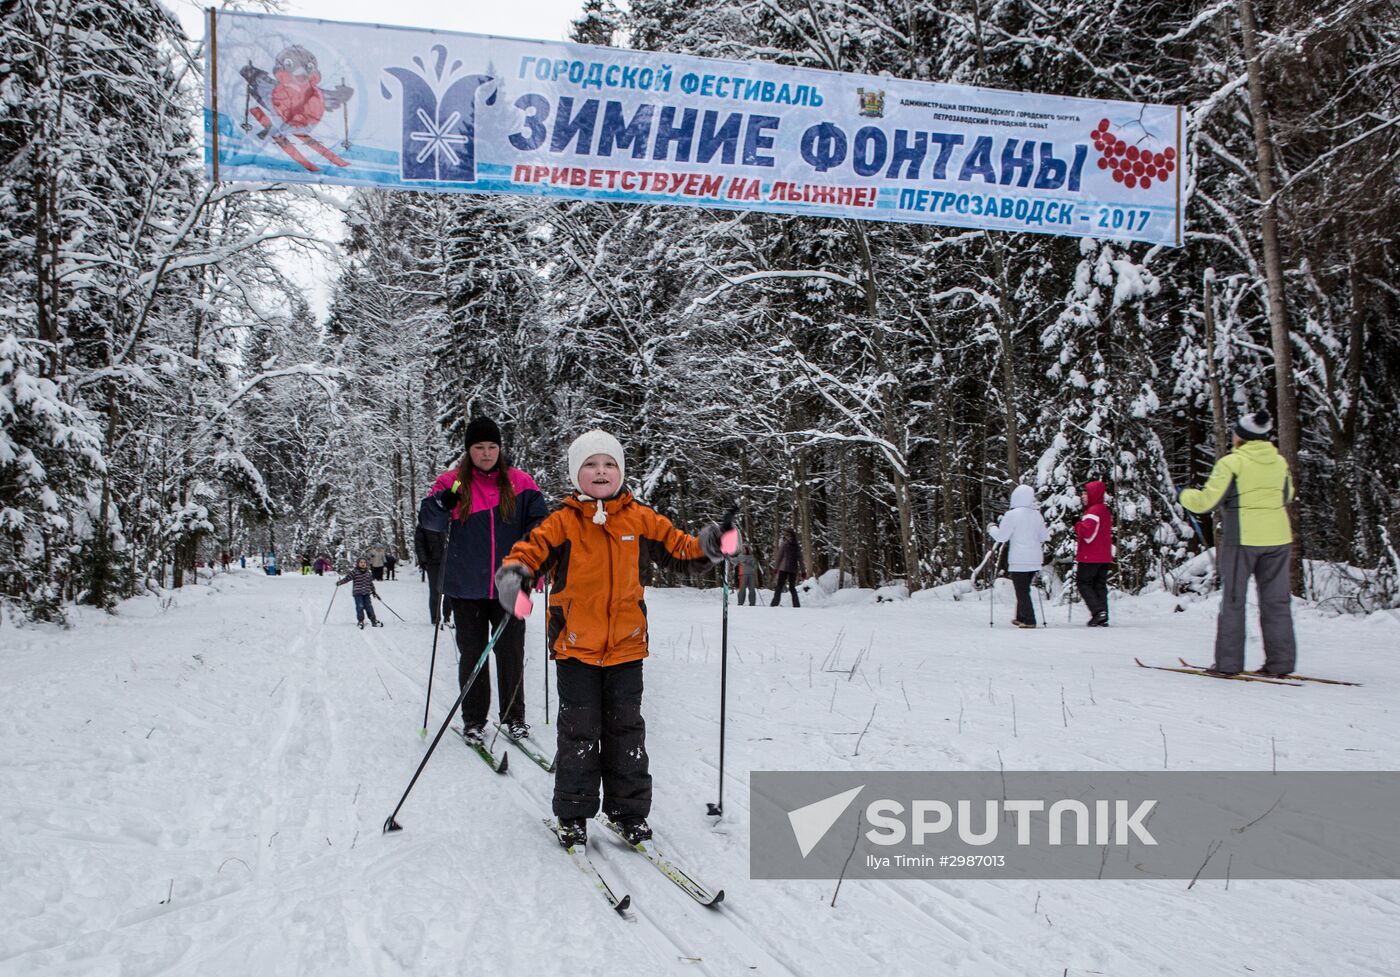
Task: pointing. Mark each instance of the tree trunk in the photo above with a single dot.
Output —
(1217, 399)
(1005, 318)
(1287, 402)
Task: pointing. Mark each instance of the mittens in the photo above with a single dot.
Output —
(717, 543)
(512, 585)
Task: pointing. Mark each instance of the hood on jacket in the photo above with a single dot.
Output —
(1095, 492)
(1023, 497)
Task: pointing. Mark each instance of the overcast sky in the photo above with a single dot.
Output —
(546, 20)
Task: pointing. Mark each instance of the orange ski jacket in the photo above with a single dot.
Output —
(597, 604)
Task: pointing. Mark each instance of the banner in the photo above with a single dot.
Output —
(314, 101)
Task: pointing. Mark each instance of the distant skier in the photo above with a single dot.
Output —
(429, 540)
(306, 564)
(362, 588)
(750, 578)
(493, 505)
(391, 561)
(1094, 553)
(594, 546)
(787, 567)
(377, 555)
(1024, 530)
(1253, 487)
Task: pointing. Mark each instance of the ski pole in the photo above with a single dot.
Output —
(716, 809)
(1071, 585)
(331, 604)
(440, 613)
(992, 604)
(388, 608)
(1195, 525)
(390, 824)
(545, 629)
(345, 119)
(1040, 599)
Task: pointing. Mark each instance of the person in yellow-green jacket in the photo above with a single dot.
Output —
(1253, 487)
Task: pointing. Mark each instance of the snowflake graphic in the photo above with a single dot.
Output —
(438, 140)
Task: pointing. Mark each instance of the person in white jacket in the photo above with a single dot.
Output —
(1024, 530)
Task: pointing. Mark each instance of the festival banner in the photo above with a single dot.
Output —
(315, 101)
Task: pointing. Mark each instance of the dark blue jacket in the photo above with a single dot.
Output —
(479, 538)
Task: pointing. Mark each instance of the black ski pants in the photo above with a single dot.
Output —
(1092, 581)
(789, 579)
(602, 739)
(475, 620)
(1025, 607)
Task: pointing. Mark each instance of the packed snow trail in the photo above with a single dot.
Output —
(196, 785)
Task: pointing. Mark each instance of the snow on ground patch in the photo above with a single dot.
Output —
(197, 787)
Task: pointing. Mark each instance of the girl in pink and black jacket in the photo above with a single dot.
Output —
(493, 506)
(1094, 554)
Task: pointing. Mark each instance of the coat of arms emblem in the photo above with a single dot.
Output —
(872, 104)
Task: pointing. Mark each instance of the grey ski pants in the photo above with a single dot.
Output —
(1269, 566)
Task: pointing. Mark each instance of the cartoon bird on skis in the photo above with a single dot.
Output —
(290, 102)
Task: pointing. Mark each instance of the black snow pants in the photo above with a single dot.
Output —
(475, 620)
(1092, 581)
(785, 579)
(602, 739)
(1025, 608)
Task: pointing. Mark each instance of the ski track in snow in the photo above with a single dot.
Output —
(197, 786)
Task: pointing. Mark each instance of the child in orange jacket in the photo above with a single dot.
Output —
(594, 546)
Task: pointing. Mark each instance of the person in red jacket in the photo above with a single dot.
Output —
(1095, 553)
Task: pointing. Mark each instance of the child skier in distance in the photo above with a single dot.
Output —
(593, 546)
(362, 580)
(1023, 529)
(1094, 553)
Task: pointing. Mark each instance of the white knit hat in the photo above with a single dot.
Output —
(595, 442)
(1255, 426)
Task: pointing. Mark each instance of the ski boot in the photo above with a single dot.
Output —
(573, 832)
(361, 625)
(472, 736)
(635, 830)
(518, 729)
(378, 624)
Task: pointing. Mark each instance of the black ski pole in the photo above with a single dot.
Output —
(716, 809)
(1071, 585)
(388, 608)
(389, 823)
(438, 613)
(545, 629)
(1040, 586)
(331, 604)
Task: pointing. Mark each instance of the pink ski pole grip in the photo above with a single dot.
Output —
(523, 605)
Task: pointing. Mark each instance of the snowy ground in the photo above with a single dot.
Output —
(196, 786)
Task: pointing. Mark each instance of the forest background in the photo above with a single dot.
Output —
(167, 392)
